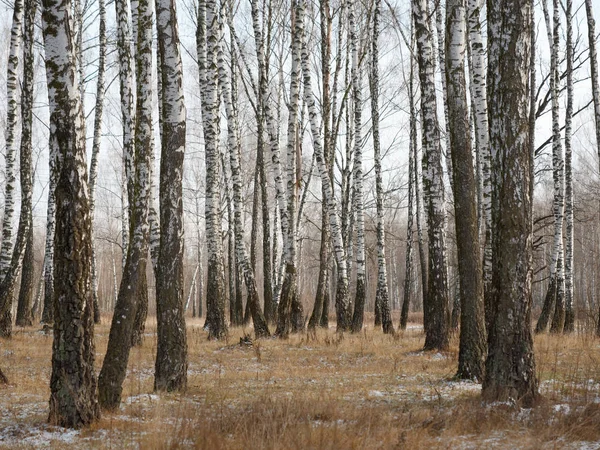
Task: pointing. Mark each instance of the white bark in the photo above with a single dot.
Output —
(342, 304)
(12, 94)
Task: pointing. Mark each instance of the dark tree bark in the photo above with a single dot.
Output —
(73, 394)
(24, 312)
(472, 348)
(510, 366)
(171, 351)
(436, 305)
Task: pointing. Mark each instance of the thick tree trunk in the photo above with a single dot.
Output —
(510, 366)
(171, 351)
(73, 395)
(472, 347)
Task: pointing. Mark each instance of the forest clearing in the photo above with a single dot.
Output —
(320, 391)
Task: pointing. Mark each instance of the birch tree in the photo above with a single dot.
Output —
(24, 312)
(132, 288)
(555, 296)
(207, 43)
(171, 352)
(478, 86)
(73, 395)
(412, 185)
(361, 266)
(591, 23)
(261, 328)
(321, 305)
(471, 356)
(433, 187)
(98, 110)
(382, 295)
(569, 240)
(12, 93)
(343, 312)
(510, 366)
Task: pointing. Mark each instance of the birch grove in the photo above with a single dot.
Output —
(304, 167)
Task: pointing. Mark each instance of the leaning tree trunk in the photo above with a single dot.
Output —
(96, 147)
(73, 395)
(510, 366)
(341, 302)
(361, 266)
(24, 312)
(433, 186)
(132, 288)
(569, 307)
(171, 351)
(472, 347)
(207, 50)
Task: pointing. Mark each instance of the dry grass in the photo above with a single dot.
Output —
(325, 391)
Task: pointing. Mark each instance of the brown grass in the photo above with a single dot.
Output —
(309, 392)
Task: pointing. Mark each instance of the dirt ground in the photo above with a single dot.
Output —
(361, 391)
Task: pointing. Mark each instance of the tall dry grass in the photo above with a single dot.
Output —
(312, 391)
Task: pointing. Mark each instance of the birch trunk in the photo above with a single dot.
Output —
(73, 395)
(96, 147)
(341, 302)
(510, 366)
(290, 281)
(12, 94)
(472, 349)
(171, 351)
(569, 240)
(555, 297)
(478, 85)
(260, 325)
(412, 182)
(215, 291)
(322, 291)
(433, 187)
(24, 312)
(361, 276)
(382, 294)
(133, 283)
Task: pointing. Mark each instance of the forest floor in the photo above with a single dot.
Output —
(361, 391)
